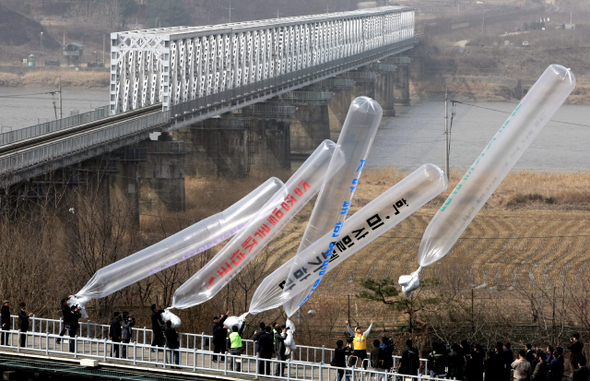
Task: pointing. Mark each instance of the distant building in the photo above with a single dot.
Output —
(73, 53)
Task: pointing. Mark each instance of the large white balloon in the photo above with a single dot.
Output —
(260, 230)
(365, 226)
(183, 245)
(333, 203)
(491, 167)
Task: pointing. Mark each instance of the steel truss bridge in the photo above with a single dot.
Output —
(167, 78)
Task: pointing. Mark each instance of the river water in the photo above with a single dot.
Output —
(414, 137)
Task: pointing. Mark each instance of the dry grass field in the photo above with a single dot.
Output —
(529, 241)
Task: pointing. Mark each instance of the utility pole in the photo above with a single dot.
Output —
(61, 108)
(447, 132)
(229, 10)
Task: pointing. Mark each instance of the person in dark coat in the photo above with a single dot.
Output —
(23, 323)
(219, 335)
(474, 367)
(265, 346)
(549, 354)
(556, 365)
(75, 315)
(66, 312)
(455, 363)
(493, 366)
(115, 334)
(410, 361)
(387, 349)
(541, 371)
(582, 373)
(157, 326)
(280, 336)
(5, 321)
(508, 359)
(375, 352)
(172, 342)
(339, 359)
(256, 337)
(530, 353)
(576, 348)
(126, 331)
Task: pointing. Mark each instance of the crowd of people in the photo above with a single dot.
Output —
(462, 361)
(471, 362)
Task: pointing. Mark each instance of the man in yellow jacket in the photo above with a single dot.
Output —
(359, 344)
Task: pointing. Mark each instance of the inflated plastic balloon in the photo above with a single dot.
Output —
(260, 230)
(365, 226)
(183, 245)
(333, 203)
(490, 168)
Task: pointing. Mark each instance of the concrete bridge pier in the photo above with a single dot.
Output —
(162, 175)
(310, 124)
(384, 87)
(402, 88)
(218, 146)
(269, 138)
(339, 102)
(124, 181)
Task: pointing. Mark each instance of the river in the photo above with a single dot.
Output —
(414, 137)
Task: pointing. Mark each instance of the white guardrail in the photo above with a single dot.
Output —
(195, 353)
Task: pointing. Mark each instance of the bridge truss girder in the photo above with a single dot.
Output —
(180, 64)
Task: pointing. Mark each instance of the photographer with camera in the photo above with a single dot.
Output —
(576, 347)
(128, 322)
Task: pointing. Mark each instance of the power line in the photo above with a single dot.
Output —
(508, 113)
(496, 238)
(27, 95)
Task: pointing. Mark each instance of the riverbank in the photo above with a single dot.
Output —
(487, 89)
(483, 89)
(46, 78)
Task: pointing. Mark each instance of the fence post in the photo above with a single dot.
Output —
(144, 334)
(46, 344)
(224, 363)
(88, 329)
(195, 358)
(323, 354)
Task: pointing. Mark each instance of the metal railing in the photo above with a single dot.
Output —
(80, 142)
(56, 125)
(305, 363)
(192, 341)
(189, 359)
(287, 82)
